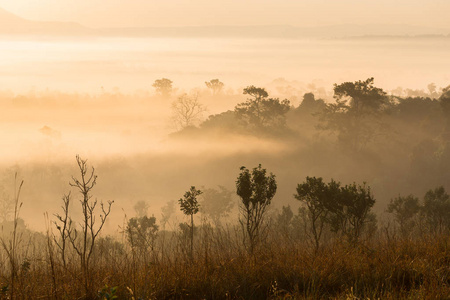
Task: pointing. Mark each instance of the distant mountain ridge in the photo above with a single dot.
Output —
(11, 24)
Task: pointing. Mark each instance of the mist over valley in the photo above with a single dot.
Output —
(224, 159)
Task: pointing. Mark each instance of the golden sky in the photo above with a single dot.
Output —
(121, 13)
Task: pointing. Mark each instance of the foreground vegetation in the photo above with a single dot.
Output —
(223, 269)
(331, 249)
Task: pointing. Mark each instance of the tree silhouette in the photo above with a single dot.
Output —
(355, 115)
(350, 210)
(163, 86)
(360, 97)
(216, 203)
(215, 85)
(444, 100)
(314, 193)
(345, 208)
(189, 206)
(84, 244)
(284, 221)
(436, 210)
(404, 209)
(256, 190)
(256, 92)
(141, 232)
(260, 112)
(166, 212)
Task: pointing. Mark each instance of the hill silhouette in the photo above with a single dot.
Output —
(10, 24)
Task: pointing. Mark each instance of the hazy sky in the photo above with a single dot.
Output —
(111, 13)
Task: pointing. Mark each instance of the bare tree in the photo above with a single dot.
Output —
(64, 226)
(187, 111)
(84, 244)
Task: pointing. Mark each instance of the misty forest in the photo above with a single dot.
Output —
(218, 159)
(274, 197)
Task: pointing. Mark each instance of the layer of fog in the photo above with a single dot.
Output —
(106, 111)
(130, 140)
(90, 64)
(125, 137)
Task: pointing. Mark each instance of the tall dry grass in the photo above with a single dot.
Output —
(282, 266)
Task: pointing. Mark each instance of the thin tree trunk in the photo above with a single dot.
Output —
(192, 236)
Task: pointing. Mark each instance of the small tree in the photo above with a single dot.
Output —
(284, 221)
(350, 210)
(256, 190)
(141, 233)
(215, 85)
(189, 206)
(166, 212)
(163, 86)
(345, 208)
(83, 240)
(404, 209)
(216, 203)
(314, 194)
(436, 210)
